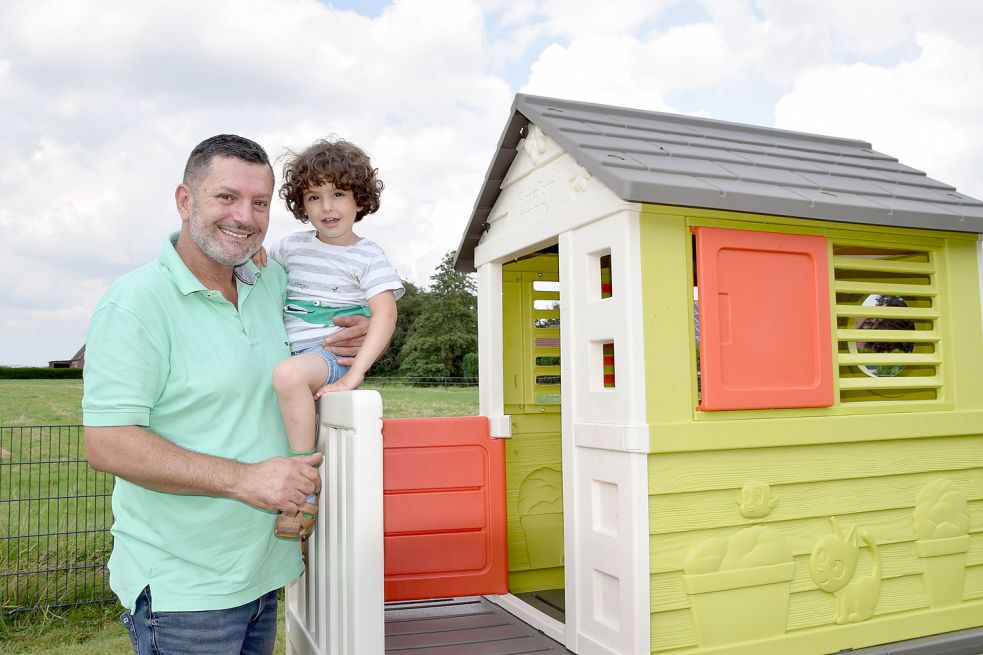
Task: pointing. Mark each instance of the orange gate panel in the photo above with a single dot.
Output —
(444, 495)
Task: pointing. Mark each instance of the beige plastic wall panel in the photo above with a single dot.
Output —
(544, 201)
(533, 152)
(611, 543)
(596, 321)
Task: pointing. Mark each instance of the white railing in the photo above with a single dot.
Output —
(336, 606)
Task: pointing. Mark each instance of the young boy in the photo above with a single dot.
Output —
(331, 271)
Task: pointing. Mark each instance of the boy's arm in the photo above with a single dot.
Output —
(381, 326)
(259, 257)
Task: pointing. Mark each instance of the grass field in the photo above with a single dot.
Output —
(95, 629)
(58, 402)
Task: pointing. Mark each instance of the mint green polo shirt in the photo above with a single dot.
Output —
(165, 353)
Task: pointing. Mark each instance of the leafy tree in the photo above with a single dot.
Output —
(408, 308)
(469, 368)
(446, 325)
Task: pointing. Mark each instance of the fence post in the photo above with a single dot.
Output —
(336, 607)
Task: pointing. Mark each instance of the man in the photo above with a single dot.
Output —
(179, 406)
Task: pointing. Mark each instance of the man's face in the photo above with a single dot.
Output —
(229, 210)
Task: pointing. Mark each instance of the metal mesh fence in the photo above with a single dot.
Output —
(55, 515)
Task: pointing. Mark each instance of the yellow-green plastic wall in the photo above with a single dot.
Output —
(751, 509)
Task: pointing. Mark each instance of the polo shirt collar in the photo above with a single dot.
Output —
(185, 280)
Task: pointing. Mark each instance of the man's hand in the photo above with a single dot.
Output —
(280, 483)
(345, 343)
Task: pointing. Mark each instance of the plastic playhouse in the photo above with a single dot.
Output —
(731, 392)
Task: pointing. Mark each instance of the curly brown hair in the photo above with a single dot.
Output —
(338, 162)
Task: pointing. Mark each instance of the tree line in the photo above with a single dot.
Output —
(436, 334)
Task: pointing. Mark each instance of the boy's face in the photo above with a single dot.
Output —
(331, 212)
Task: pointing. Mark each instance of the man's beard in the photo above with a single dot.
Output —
(203, 237)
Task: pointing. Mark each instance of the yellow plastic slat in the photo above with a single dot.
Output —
(885, 288)
(902, 336)
(893, 266)
(881, 359)
(890, 383)
(874, 311)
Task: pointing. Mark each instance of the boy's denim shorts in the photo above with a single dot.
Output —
(335, 370)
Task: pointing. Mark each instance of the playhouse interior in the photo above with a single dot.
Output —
(534, 492)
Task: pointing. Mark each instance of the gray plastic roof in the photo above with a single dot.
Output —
(669, 159)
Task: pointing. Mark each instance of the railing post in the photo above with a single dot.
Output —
(336, 606)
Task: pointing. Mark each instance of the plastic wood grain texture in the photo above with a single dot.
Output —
(444, 508)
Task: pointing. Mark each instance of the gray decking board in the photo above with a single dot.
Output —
(461, 626)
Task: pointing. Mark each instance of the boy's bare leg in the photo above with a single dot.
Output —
(295, 380)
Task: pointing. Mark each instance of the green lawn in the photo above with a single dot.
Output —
(57, 402)
(95, 629)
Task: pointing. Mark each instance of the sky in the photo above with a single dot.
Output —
(101, 102)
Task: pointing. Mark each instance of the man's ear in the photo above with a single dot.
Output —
(183, 199)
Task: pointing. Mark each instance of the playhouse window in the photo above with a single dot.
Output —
(607, 362)
(604, 264)
(878, 346)
(764, 320)
(886, 323)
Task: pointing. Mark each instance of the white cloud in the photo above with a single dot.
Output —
(925, 112)
(107, 100)
(102, 101)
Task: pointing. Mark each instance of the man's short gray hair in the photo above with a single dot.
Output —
(222, 145)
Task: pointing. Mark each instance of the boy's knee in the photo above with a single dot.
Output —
(287, 376)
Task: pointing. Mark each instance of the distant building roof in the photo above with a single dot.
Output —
(654, 157)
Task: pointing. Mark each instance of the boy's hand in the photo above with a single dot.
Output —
(260, 258)
(348, 382)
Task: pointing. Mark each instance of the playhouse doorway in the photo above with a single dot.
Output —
(533, 459)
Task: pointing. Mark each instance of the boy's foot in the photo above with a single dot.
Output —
(301, 524)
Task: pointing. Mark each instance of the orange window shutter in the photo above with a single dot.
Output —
(444, 499)
(765, 333)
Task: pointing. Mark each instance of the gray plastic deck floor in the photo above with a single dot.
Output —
(461, 626)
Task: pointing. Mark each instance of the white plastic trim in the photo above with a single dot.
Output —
(627, 438)
(612, 545)
(491, 386)
(500, 427)
(533, 617)
(337, 606)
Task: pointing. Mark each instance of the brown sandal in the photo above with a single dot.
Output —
(298, 526)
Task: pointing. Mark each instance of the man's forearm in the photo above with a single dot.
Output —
(147, 459)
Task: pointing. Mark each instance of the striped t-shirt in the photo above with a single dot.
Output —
(343, 276)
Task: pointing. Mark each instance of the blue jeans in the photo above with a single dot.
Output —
(335, 370)
(249, 629)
